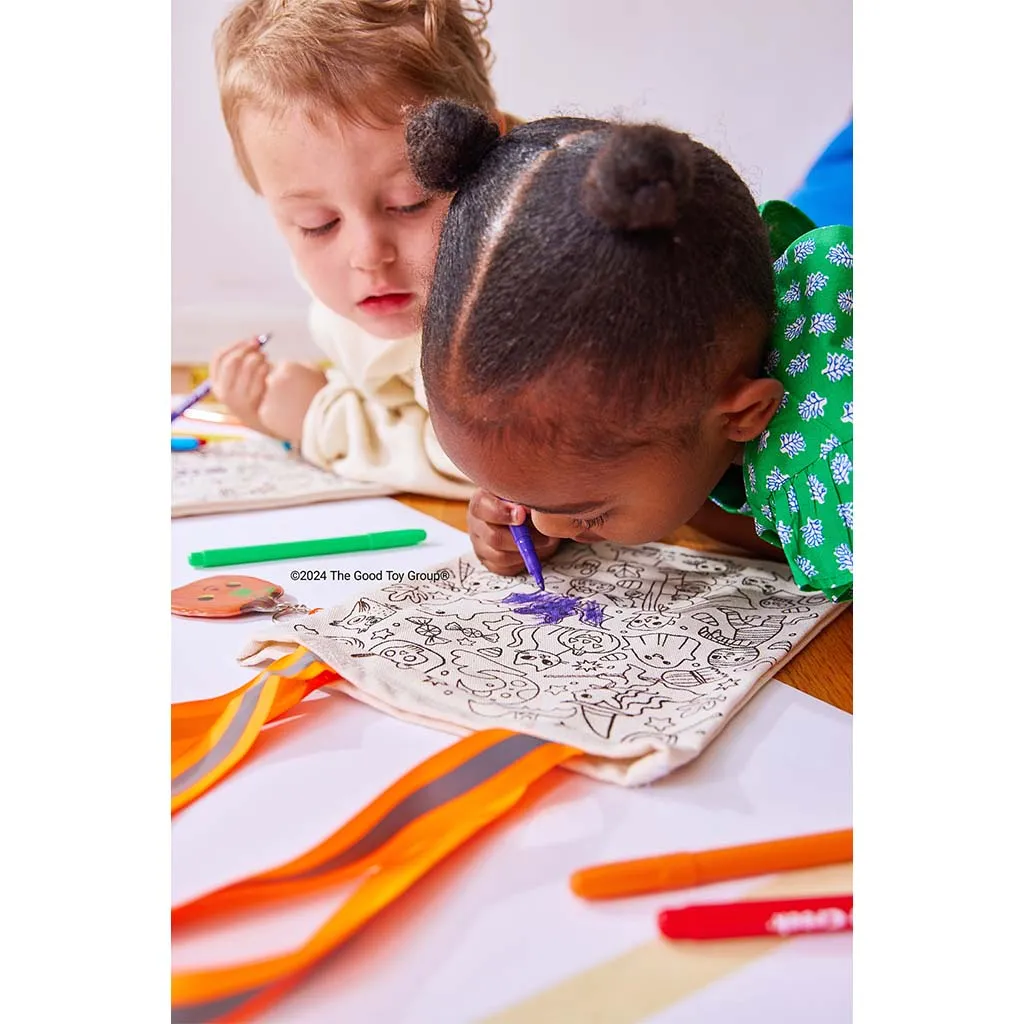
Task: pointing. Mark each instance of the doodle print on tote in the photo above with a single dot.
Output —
(628, 649)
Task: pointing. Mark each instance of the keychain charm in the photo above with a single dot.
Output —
(226, 597)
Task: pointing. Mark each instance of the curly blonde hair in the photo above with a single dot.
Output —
(359, 60)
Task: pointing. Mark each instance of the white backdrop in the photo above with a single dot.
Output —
(765, 82)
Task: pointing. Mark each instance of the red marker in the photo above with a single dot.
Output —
(801, 916)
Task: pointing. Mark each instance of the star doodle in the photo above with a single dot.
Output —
(659, 724)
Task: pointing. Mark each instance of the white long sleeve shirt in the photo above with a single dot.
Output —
(370, 421)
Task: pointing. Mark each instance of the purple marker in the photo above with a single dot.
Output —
(204, 389)
(521, 535)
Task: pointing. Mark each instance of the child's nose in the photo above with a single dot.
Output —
(371, 249)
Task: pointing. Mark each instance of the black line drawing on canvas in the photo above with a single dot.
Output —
(678, 642)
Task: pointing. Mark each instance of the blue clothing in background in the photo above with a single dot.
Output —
(826, 195)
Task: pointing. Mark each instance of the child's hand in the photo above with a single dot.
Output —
(290, 389)
(488, 522)
(238, 379)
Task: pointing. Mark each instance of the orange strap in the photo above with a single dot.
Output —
(356, 844)
(393, 842)
(192, 719)
(210, 737)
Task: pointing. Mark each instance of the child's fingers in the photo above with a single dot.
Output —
(504, 568)
(503, 558)
(218, 375)
(490, 538)
(221, 379)
(218, 357)
(491, 509)
(257, 387)
(496, 547)
(227, 367)
(502, 563)
(495, 538)
(488, 524)
(234, 350)
(253, 374)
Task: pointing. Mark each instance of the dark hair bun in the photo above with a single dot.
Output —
(641, 178)
(447, 142)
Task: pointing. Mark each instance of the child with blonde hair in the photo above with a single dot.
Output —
(313, 94)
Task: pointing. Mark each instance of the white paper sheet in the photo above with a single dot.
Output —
(205, 650)
(253, 473)
(497, 921)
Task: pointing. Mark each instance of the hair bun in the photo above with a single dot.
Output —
(447, 142)
(641, 178)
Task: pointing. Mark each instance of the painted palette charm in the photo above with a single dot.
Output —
(224, 597)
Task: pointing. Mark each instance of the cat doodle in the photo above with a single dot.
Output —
(664, 650)
(651, 622)
(364, 615)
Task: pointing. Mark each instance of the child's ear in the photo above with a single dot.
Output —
(747, 409)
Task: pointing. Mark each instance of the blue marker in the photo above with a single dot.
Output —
(521, 535)
(186, 444)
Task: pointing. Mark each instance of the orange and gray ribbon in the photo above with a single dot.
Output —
(210, 737)
(393, 841)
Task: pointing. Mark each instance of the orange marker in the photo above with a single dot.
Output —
(684, 870)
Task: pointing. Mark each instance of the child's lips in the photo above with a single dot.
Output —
(385, 303)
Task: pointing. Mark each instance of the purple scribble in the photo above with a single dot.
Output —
(592, 614)
(553, 608)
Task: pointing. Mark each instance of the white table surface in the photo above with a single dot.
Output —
(497, 921)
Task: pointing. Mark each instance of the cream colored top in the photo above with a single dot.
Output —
(370, 421)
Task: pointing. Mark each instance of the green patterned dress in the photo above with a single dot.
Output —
(797, 477)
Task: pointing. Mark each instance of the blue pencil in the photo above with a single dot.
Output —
(204, 389)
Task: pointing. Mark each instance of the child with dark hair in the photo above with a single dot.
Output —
(618, 341)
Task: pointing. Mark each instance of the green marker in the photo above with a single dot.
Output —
(305, 548)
